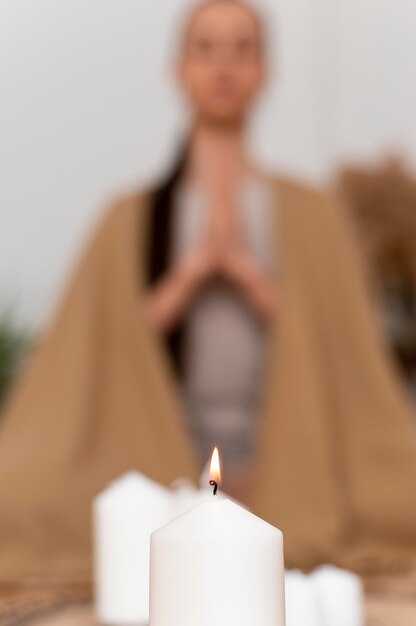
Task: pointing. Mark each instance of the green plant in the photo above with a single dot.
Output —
(14, 343)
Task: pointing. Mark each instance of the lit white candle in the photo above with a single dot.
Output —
(217, 564)
(124, 515)
(186, 495)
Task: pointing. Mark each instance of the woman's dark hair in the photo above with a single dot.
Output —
(160, 236)
(161, 216)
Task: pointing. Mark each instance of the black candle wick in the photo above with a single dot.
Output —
(214, 484)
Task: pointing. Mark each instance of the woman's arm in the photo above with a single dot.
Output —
(221, 251)
(242, 270)
(169, 299)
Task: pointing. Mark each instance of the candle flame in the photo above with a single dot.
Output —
(215, 468)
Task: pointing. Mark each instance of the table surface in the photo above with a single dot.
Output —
(379, 612)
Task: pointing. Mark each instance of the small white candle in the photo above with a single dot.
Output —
(217, 565)
(124, 516)
(340, 595)
(302, 603)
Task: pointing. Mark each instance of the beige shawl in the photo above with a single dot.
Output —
(335, 466)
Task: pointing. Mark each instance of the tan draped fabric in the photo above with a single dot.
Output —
(335, 466)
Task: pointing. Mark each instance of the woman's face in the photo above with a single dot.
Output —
(222, 68)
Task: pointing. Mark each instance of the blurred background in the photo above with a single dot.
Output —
(84, 111)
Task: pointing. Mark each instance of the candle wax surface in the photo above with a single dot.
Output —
(217, 565)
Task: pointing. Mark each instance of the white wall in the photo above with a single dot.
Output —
(88, 106)
(375, 79)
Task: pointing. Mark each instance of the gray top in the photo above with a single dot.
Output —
(224, 341)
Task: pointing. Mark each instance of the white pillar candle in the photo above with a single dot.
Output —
(340, 596)
(302, 607)
(124, 515)
(217, 564)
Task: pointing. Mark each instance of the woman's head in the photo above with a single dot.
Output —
(221, 66)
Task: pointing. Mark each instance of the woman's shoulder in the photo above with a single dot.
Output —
(296, 183)
(126, 198)
(323, 201)
(119, 214)
(125, 203)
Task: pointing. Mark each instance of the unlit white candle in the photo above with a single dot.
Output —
(340, 596)
(124, 515)
(217, 564)
(302, 604)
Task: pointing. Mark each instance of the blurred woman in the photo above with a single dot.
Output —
(224, 305)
